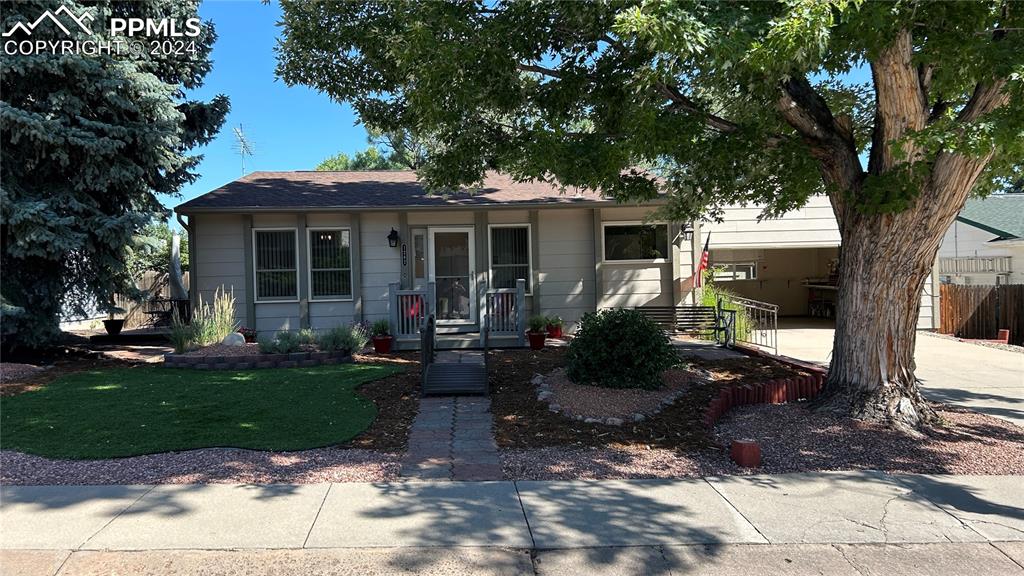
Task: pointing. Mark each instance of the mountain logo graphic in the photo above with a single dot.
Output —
(53, 17)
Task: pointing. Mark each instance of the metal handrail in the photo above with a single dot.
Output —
(760, 322)
(428, 341)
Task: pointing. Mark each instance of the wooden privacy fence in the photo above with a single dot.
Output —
(154, 284)
(981, 311)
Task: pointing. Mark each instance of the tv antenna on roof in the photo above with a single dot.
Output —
(243, 145)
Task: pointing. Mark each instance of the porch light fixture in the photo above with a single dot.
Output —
(687, 232)
(393, 238)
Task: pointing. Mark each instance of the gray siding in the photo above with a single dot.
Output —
(381, 263)
(566, 266)
(220, 259)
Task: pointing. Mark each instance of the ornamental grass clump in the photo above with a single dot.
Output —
(210, 323)
(284, 342)
(619, 348)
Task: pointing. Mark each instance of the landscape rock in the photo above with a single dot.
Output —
(537, 380)
(613, 421)
(233, 339)
(639, 417)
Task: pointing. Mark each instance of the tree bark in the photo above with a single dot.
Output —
(884, 259)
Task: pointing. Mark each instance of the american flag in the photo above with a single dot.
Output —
(698, 276)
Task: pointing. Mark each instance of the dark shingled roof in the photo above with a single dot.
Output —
(1000, 214)
(373, 189)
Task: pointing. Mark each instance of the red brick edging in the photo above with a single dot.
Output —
(249, 362)
(771, 392)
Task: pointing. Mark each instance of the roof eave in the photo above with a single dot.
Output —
(186, 209)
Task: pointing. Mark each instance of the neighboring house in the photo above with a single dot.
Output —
(317, 249)
(789, 261)
(986, 243)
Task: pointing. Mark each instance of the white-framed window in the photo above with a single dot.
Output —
(635, 242)
(275, 255)
(330, 263)
(510, 256)
(729, 271)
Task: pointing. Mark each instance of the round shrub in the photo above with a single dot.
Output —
(619, 348)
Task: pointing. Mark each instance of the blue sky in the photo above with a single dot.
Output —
(292, 128)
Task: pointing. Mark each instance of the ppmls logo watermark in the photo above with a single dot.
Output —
(171, 37)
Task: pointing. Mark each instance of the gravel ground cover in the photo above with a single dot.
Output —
(522, 422)
(15, 372)
(795, 439)
(596, 402)
(249, 349)
(206, 466)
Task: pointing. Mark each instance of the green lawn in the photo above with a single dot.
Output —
(131, 411)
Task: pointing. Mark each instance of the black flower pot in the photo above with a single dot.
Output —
(113, 326)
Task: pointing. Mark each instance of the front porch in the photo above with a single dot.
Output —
(496, 318)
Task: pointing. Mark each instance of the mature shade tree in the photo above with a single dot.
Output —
(402, 150)
(735, 102)
(88, 142)
(150, 250)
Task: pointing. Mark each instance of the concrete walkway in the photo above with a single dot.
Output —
(987, 380)
(832, 523)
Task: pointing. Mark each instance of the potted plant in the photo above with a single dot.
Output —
(538, 331)
(555, 324)
(381, 335)
(111, 324)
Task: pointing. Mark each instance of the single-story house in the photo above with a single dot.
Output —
(985, 245)
(317, 249)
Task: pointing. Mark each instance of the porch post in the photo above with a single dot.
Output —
(405, 250)
(535, 260)
(355, 255)
(393, 288)
(482, 263)
(676, 229)
(598, 259)
(521, 311)
(302, 272)
(250, 283)
(431, 298)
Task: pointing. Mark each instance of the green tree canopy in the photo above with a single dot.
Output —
(89, 142)
(397, 150)
(711, 103)
(150, 250)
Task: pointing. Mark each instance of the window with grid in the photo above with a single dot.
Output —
(636, 242)
(330, 264)
(277, 276)
(510, 256)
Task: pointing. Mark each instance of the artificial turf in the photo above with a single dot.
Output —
(130, 411)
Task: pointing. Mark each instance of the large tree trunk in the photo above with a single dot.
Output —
(885, 257)
(881, 276)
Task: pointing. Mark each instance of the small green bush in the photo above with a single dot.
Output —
(181, 335)
(283, 342)
(619, 348)
(348, 339)
(555, 321)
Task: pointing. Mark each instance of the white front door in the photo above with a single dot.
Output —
(452, 260)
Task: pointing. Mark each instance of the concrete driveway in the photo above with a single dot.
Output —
(984, 379)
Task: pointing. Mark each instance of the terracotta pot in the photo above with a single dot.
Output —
(382, 344)
(113, 326)
(554, 331)
(536, 340)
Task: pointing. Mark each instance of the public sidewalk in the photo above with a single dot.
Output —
(832, 523)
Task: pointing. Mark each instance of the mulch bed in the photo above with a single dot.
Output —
(795, 439)
(521, 421)
(398, 400)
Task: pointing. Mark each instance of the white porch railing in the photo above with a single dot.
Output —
(409, 309)
(505, 310)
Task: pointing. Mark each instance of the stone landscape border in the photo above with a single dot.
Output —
(257, 361)
(546, 394)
